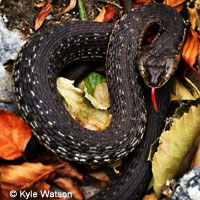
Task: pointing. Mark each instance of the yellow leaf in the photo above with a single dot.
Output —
(80, 108)
(179, 92)
(101, 94)
(175, 145)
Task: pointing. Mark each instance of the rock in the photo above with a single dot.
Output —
(188, 187)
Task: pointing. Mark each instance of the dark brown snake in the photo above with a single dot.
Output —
(62, 46)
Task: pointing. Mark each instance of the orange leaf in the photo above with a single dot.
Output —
(14, 135)
(107, 13)
(42, 15)
(19, 177)
(177, 4)
(191, 47)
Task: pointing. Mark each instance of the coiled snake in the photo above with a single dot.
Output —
(43, 58)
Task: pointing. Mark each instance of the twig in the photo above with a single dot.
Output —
(112, 3)
(82, 11)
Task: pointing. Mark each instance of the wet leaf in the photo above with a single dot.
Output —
(68, 185)
(175, 149)
(71, 6)
(191, 48)
(80, 108)
(14, 135)
(107, 13)
(42, 15)
(177, 4)
(19, 177)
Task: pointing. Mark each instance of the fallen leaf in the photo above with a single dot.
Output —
(101, 94)
(15, 134)
(63, 168)
(191, 48)
(177, 4)
(100, 175)
(175, 149)
(193, 17)
(179, 92)
(68, 185)
(150, 197)
(42, 15)
(196, 160)
(19, 177)
(80, 108)
(71, 6)
(107, 13)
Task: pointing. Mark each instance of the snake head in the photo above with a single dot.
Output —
(157, 70)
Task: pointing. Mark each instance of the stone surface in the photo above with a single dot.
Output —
(188, 187)
(10, 45)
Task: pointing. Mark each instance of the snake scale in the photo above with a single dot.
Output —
(134, 125)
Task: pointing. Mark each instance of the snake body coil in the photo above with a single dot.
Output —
(44, 57)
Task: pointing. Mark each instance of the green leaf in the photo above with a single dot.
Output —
(175, 149)
(92, 80)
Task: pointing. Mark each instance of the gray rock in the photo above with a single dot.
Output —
(188, 187)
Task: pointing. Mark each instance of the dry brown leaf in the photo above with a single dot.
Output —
(150, 197)
(69, 186)
(63, 168)
(14, 135)
(19, 177)
(100, 175)
(107, 13)
(42, 15)
(177, 4)
(71, 5)
(191, 47)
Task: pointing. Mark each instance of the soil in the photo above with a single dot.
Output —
(21, 14)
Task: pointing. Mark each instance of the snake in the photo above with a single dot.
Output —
(132, 66)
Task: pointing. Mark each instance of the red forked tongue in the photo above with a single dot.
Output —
(153, 99)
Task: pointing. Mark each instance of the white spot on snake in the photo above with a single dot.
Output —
(62, 135)
(95, 161)
(109, 147)
(34, 48)
(107, 160)
(62, 149)
(33, 94)
(41, 38)
(27, 110)
(75, 158)
(29, 62)
(50, 123)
